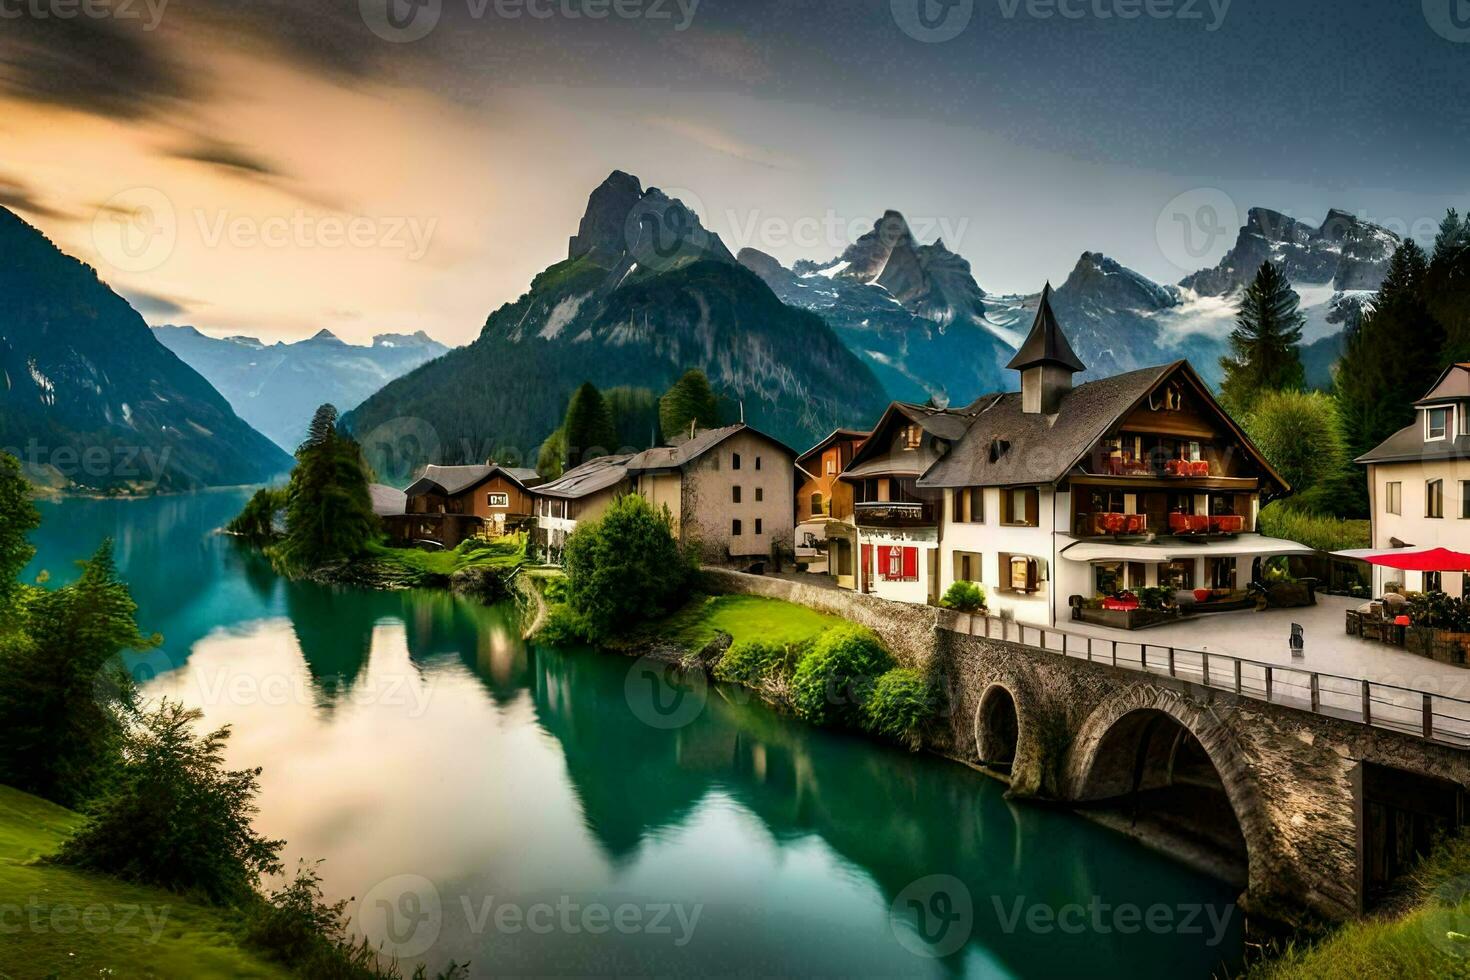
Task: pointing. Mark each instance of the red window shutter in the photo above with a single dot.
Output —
(911, 564)
(868, 560)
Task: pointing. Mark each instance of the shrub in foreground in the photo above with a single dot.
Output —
(175, 817)
(750, 662)
(626, 568)
(964, 596)
(563, 627)
(833, 680)
(900, 703)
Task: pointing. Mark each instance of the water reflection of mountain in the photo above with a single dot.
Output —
(896, 817)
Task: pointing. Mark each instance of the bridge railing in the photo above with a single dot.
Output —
(1424, 714)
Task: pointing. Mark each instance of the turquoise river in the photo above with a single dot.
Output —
(540, 811)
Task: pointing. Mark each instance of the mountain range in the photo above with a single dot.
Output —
(644, 294)
(919, 319)
(92, 400)
(277, 387)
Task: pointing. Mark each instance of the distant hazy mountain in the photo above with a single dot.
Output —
(276, 388)
(644, 294)
(92, 400)
(916, 314)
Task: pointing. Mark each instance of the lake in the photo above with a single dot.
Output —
(541, 811)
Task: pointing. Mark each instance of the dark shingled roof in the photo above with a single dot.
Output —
(1407, 445)
(1039, 449)
(589, 478)
(457, 479)
(1046, 344)
(673, 457)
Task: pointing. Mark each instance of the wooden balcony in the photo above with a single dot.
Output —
(895, 513)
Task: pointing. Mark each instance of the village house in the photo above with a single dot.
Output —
(1055, 496)
(449, 504)
(728, 492)
(824, 530)
(1419, 485)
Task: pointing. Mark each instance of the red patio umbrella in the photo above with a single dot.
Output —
(1415, 560)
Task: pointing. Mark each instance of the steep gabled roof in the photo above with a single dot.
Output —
(452, 480)
(1452, 384)
(1046, 344)
(1009, 447)
(388, 501)
(836, 435)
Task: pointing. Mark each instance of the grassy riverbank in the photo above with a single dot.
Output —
(1428, 936)
(744, 618)
(503, 553)
(65, 923)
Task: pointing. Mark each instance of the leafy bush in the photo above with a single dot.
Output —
(174, 817)
(563, 627)
(257, 522)
(626, 568)
(964, 596)
(1155, 598)
(833, 680)
(18, 518)
(1301, 434)
(1439, 611)
(63, 694)
(297, 927)
(902, 700)
(750, 662)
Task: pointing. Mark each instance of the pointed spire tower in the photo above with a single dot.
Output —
(1046, 362)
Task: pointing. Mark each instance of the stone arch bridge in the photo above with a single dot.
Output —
(1310, 791)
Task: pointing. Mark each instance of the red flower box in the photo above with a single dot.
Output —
(1200, 467)
(1228, 523)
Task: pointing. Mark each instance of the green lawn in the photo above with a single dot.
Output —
(504, 553)
(56, 922)
(744, 617)
(1432, 939)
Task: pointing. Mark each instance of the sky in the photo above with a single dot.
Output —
(276, 167)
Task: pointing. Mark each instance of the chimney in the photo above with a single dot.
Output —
(1046, 362)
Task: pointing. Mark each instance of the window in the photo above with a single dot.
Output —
(735, 529)
(760, 494)
(734, 461)
(1464, 498)
(1020, 507)
(896, 564)
(1434, 498)
(735, 494)
(1221, 573)
(498, 500)
(967, 566)
(819, 505)
(912, 436)
(830, 464)
(1436, 423)
(757, 462)
(1108, 578)
(1433, 582)
(1020, 574)
(969, 506)
(1393, 498)
(758, 525)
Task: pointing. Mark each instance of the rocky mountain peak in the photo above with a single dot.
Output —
(604, 221)
(1103, 282)
(625, 224)
(1345, 251)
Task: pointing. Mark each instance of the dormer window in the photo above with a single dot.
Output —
(1437, 423)
(913, 436)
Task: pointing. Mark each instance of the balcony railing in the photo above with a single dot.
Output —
(1206, 524)
(894, 513)
(1114, 524)
(1175, 468)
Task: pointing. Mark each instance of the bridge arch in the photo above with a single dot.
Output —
(997, 728)
(1172, 769)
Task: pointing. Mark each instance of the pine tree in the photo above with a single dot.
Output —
(588, 430)
(329, 509)
(18, 518)
(690, 400)
(1266, 342)
(1447, 285)
(1391, 356)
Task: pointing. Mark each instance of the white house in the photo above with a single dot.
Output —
(1419, 484)
(1055, 493)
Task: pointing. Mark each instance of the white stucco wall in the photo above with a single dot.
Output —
(924, 539)
(991, 539)
(1412, 526)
